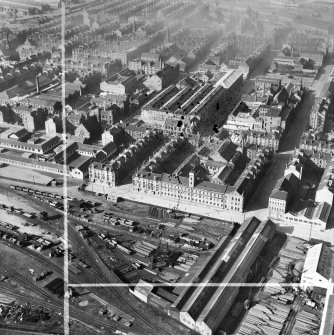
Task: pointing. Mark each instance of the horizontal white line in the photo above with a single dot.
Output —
(188, 285)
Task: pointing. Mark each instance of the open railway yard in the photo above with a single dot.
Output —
(110, 245)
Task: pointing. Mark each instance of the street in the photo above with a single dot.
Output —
(289, 143)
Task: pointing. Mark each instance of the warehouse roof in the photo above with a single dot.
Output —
(233, 274)
(320, 259)
(216, 273)
(144, 287)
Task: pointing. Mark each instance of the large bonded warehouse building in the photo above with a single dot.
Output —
(188, 104)
(203, 307)
(193, 104)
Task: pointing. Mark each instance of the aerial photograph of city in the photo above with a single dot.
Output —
(167, 167)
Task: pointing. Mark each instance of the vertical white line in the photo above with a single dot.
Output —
(66, 279)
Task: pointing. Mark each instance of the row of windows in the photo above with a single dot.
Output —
(277, 209)
(197, 196)
(185, 189)
(305, 221)
(31, 165)
(210, 201)
(22, 147)
(101, 176)
(279, 202)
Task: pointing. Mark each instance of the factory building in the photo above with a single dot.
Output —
(121, 83)
(317, 271)
(187, 104)
(203, 307)
(37, 146)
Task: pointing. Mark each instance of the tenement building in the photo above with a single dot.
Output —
(110, 174)
(189, 184)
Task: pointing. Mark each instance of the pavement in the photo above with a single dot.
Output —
(323, 78)
(126, 192)
(27, 175)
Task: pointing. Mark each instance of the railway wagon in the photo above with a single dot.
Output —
(151, 271)
(141, 252)
(126, 250)
(153, 246)
(129, 223)
(74, 269)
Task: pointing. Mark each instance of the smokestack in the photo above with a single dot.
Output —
(37, 84)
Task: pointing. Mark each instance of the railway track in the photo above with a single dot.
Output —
(105, 276)
(150, 326)
(40, 292)
(22, 281)
(57, 305)
(38, 257)
(27, 330)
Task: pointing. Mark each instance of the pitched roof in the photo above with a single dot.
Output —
(22, 132)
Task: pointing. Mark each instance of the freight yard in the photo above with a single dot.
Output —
(144, 247)
(150, 245)
(103, 244)
(93, 258)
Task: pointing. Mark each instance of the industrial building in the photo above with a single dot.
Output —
(188, 104)
(120, 83)
(318, 267)
(191, 102)
(36, 145)
(202, 307)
